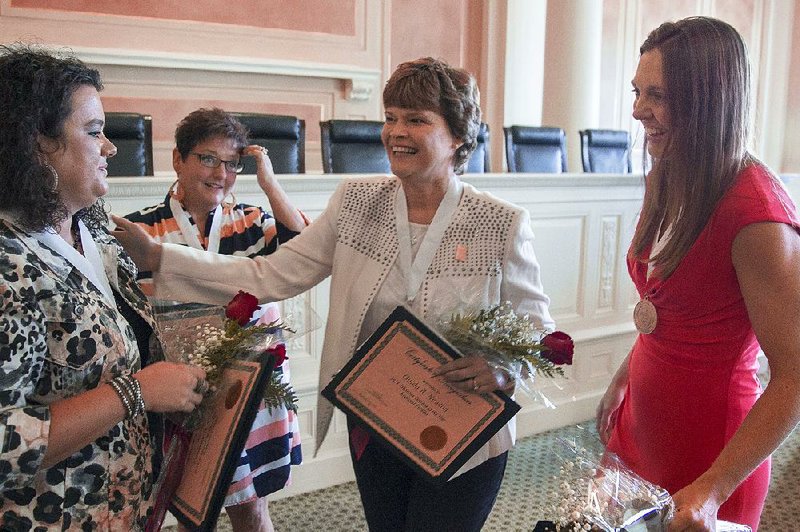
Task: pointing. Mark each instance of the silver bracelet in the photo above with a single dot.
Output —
(118, 387)
(130, 393)
(137, 388)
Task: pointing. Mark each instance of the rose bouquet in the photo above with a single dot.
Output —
(510, 342)
(211, 337)
(241, 338)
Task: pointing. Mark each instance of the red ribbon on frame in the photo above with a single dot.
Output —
(172, 471)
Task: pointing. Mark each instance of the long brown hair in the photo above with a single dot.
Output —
(707, 78)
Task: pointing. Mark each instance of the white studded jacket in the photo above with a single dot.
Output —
(354, 241)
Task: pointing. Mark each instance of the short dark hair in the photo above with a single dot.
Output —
(433, 85)
(36, 88)
(204, 124)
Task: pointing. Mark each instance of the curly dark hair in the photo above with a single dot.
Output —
(433, 85)
(204, 124)
(36, 88)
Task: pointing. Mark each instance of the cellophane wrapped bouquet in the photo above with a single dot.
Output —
(596, 491)
(511, 342)
(210, 337)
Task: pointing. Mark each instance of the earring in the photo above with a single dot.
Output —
(176, 190)
(54, 174)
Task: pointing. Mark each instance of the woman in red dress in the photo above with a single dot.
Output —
(715, 261)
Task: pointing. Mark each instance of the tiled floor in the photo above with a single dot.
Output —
(524, 494)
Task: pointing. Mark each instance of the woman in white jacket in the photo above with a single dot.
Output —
(420, 238)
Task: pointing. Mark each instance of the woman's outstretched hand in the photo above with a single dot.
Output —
(144, 251)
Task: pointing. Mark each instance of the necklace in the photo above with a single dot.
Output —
(645, 315)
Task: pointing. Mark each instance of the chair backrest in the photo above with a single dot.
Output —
(479, 160)
(536, 149)
(353, 147)
(606, 151)
(132, 134)
(284, 136)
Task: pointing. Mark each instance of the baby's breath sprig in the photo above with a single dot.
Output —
(214, 347)
(510, 337)
(221, 348)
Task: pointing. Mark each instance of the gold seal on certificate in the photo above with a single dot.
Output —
(431, 425)
(217, 444)
(645, 316)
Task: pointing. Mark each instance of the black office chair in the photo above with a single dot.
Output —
(284, 137)
(132, 134)
(536, 149)
(479, 160)
(606, 151)
(353, 147)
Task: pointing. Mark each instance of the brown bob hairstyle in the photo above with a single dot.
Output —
(433, 85)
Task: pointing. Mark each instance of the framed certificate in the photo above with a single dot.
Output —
(217, 444)
(431, 425)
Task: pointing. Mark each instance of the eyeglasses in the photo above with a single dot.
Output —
(211, 161)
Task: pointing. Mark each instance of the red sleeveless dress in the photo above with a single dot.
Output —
(693, 379)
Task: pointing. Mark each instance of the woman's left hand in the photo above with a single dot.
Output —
(264, 171)
(472, 374)
(695, 510)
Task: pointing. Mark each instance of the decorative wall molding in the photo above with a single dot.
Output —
(362, 80)
(608, 261)
(185, 36)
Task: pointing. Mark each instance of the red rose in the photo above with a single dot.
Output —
(241, 307)
(279, 353)
(558, 348)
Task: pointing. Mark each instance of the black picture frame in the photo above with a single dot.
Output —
(203, 517)
(503, 407)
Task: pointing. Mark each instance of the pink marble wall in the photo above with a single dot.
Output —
(323, 16)
(439, 33)
(654, 12)
(446, 29)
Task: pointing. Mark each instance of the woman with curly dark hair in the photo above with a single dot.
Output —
(76, 451)
(419, 238)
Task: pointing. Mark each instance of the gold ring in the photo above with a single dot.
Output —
(475, 385)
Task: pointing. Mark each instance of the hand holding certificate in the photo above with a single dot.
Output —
(389, 386)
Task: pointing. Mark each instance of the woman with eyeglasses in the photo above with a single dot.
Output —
(210, 144)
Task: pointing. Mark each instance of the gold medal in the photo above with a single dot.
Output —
(645, 316)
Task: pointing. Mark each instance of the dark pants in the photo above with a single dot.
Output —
(397, 499)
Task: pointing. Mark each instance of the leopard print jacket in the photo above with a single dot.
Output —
(58, 338)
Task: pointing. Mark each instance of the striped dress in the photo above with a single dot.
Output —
(273, 444)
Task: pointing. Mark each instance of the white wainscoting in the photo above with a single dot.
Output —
(583, 224)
